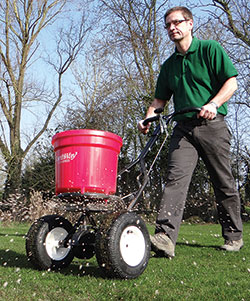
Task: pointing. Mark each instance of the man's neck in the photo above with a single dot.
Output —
(184, 44)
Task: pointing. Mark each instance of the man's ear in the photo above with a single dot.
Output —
(191, 23)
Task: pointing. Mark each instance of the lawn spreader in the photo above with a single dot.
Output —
(108, 226)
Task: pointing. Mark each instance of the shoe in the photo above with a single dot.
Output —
(161, 242)
(232, 245)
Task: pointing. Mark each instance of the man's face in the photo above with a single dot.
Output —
(178, 27)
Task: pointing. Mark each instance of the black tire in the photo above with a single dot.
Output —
(41, 241)
(85, 244)
(123, 246)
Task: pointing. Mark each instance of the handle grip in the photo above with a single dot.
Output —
(150, 119)
(155, 118)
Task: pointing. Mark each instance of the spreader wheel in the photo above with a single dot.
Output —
(84, 247)
(43, 243)
(123, 248)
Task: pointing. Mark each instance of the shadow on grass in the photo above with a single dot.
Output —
(198, 245)
(12, 259)
(12, 235)
(9, 258)
(159, 254)
(82, 269)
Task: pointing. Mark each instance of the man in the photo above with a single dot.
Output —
(198, 74)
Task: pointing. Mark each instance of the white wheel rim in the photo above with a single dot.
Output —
(52, 244)
(132, 245)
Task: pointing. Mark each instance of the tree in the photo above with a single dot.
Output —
(22, 22)
(232, 18)
(246, 183)
(93, 103)
(39, 174)
(133, 40)
(127, 53)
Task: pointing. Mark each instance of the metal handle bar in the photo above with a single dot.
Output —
(150, 119)
(157, 111)
(154, 118)
(147, 148)
(187, 110)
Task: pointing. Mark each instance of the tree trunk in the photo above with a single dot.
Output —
(13, 179)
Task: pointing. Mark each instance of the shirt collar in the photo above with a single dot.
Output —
(192, 48)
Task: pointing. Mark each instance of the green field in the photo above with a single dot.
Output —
(198, 272)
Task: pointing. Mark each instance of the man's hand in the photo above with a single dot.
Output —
(156, 104)
(142, 128)
(208, 111)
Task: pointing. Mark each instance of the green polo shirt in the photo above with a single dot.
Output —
(195, 78)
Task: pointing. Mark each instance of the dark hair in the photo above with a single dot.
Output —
(187, 14)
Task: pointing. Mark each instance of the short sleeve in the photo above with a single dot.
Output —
(162, 90)
(222, 65)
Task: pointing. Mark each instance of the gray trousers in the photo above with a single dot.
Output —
(211, 141)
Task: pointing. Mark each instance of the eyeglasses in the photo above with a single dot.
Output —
(175, 23)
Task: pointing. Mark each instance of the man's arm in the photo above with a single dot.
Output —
(157, 103)
(209, 111)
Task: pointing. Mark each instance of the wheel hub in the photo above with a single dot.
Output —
(53, 246)
(132, 245)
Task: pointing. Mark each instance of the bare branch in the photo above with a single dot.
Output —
(225, 7)
(71, 44)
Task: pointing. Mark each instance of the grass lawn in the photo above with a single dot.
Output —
(198, 272)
